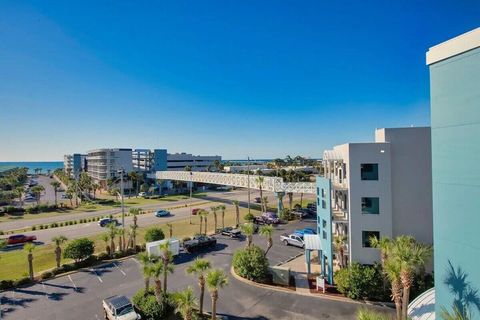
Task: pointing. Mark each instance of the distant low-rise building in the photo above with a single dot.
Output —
(74, 164)
(179, 161)
(146, 160)
(105, 164)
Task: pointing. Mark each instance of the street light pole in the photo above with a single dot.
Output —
(248, 176)
(191, 185)
(121, 194)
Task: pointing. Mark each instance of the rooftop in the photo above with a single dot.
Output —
(455, 46)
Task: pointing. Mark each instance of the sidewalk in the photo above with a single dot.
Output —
(298, 268)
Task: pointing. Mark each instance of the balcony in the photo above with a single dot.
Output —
(339, 215)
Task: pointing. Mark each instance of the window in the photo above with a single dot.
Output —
(366, 235)
(324, 233)
(324, 204)
(318, 201)
(370, 206)
(323, 193)
(324, 223)
(318, 191)
(369, 171)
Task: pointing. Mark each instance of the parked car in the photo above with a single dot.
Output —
(229, 231)
(299, 214)
(162, 213)
(119, 308)
(64, 196)
(199, 242)
(106, 221)
(293, 240)
(312, 205)
(305, 231)
(142, 194)
(20, 238)
(270, 218)
(258, 200)
(29, 198)
(195, 211)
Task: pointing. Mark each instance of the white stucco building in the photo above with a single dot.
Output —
(382, 189)
(104, 164)
(178, 162)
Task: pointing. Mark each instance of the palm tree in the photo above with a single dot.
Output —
(205, 216)
(222, 208)
(216, 279)
(267, 231)
(290, 200)
(132, 234)
(134, 177)
(121, 238)
(384, 244)
(236, 203)
(95, 187)
(56, 186)
(166, 258)
(367, 314)
(248, 229)
(199, 267)
(260, 181)
(156, 272)
(72, 189)
(146, 270)
(265, 203)
(112, 232)
(106, 237)
(185, 303)
(37, 191)
(58, 240)
(19, 194)
(411, 256)
(392, 270)
(214, 211)
(200, 216)
(28, 248)
(339, 242)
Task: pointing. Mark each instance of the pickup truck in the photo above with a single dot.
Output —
(199, 242)
(20, 238)
(229, 231)
(119, 308)
(267, 218)
(293, 240)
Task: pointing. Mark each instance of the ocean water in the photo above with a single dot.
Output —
(45, 165)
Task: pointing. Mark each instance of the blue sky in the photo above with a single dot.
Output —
(235, 78)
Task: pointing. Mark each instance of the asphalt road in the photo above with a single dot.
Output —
(89, 229)
(79, 295)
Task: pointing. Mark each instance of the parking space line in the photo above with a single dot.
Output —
(73, 283)
(44, 290)
(98, 276)
(96, 317)
(116, 265)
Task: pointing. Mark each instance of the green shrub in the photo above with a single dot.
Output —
(30, 210)
(148, 306)
(40, 227)
(286, 215)
(22, 282)
(361, 282)
(103, 256)
(34, 228)
(249, 217)
(186, 239)
(6, 284)
(251, 263)
(46, 275)
(79, 249)
(154, 234)
(1, 233)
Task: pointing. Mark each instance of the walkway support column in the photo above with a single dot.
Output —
(308, 261)
(279, 196)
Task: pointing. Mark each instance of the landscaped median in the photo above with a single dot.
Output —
(15, 264)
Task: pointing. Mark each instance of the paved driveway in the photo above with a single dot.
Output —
(79, 295)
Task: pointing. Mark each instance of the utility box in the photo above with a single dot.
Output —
(280, 275)
(153, 248)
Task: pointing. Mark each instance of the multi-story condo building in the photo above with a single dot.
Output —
(146, 160)
(178, 161)
(455, 118)
(74, 164)
(104, 164)
(380, 189)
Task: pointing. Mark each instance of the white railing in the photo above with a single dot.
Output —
(273, 184)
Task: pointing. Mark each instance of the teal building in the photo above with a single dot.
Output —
(324, 226)
(455, 120)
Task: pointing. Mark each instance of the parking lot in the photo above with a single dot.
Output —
(85, 290)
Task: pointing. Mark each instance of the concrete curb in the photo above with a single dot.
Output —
(280, 289)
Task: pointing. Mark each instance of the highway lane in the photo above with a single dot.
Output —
(92, 228)
(241, 195)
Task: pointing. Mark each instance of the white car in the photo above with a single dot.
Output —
(142, 194)
(119, 308)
